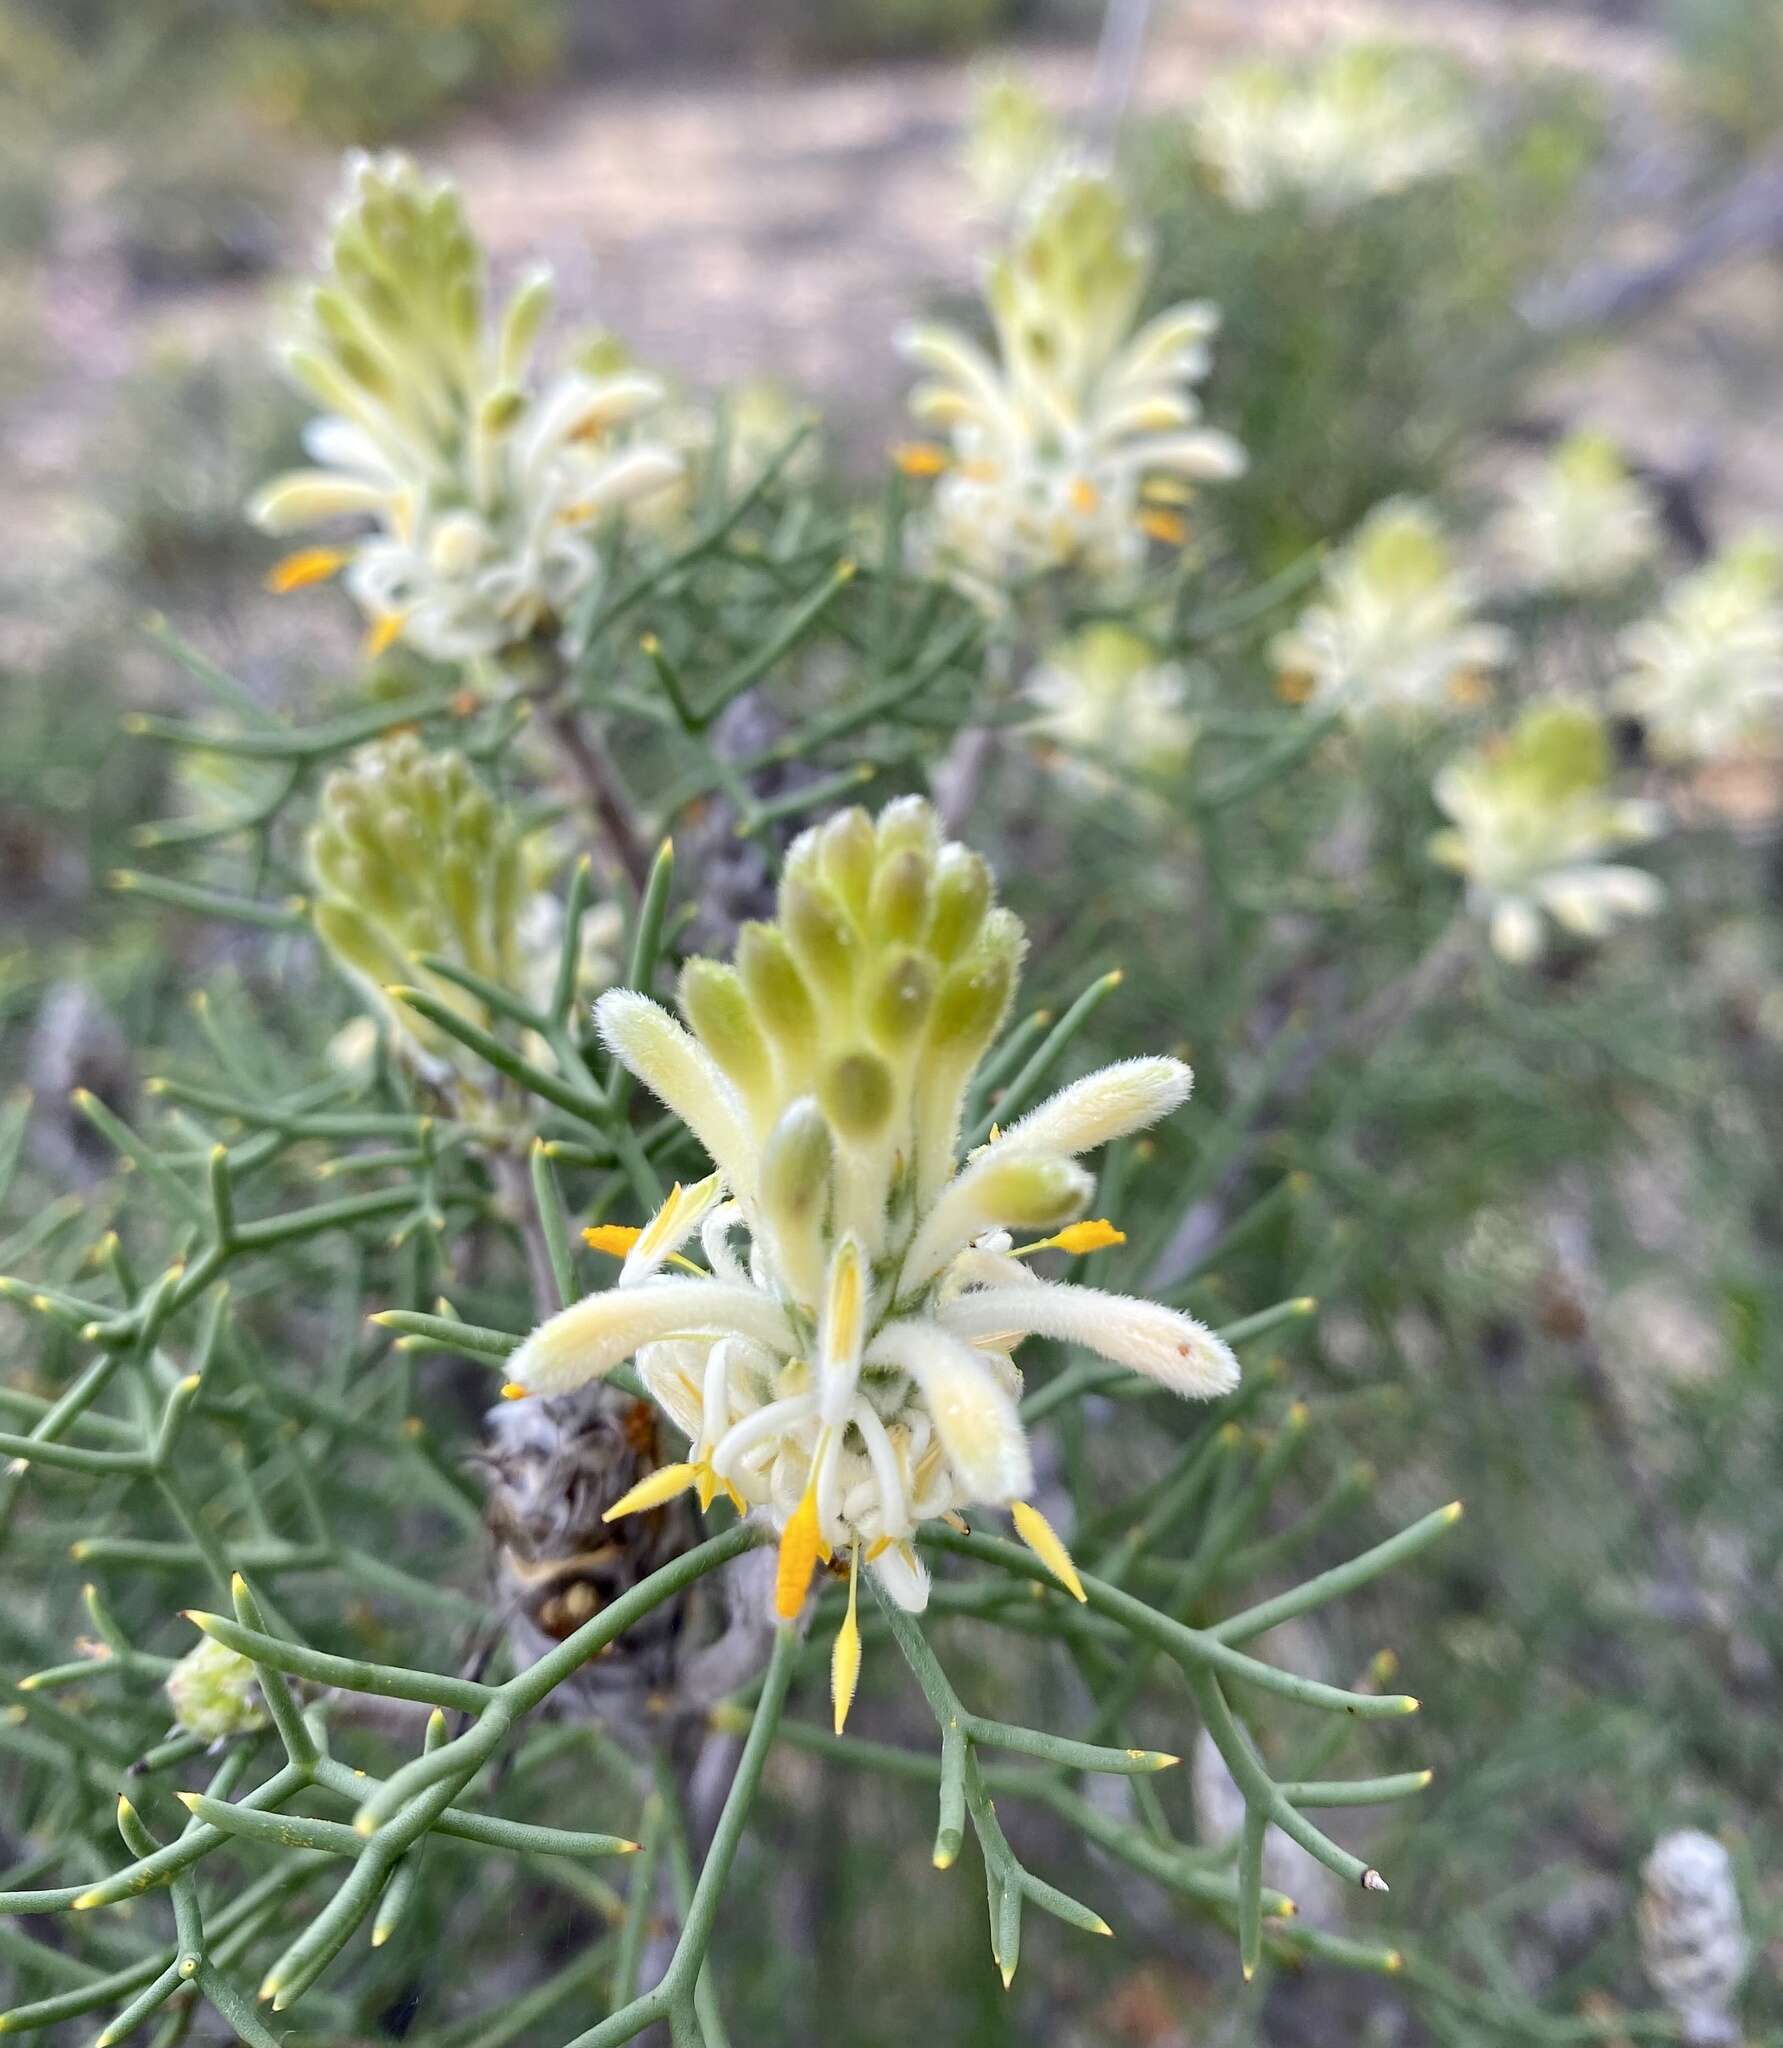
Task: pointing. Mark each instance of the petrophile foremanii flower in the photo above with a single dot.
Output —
(1080, 437)
(214, 1693)
(1533, 817)
(842, 1360)
(1393, 634)
(1578, 522)
(484, 485)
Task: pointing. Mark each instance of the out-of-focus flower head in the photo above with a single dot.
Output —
(1365, 119)
(484, 484)
(1533, 817)
(1011, 138)
(213, 1692)
(1393, 634)
(1693, 1934)
(1108, 703)
(411, 855)
(1578, 522)
(1705, 672)
(1079, 438)
(841, 1363)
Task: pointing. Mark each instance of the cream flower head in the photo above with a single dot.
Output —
(1393, 635)
(1108, 703)
(1705, 672)
(483, 486)
(1533, 816)
(1366, 119)
(1578, 522)
(842, 1362)
(1080, 438)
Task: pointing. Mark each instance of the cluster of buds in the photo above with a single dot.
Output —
(1108, 704)
(483, 486)
(1364, 120)
(1578, 522)
(1080, 439)
(1705, 673)
(214, 1693)
(841, 1363)
(1393, 634)
(410, 855)
(1534, 815)
(1010, 140)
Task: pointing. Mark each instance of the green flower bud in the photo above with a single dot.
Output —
(795, 1171)
(214, 1693)
(961, 896)
(847, 853)
(1033, 1194)
(716, 1006)
(858, 1093)
(900, 904)
(778, 993)
(898, 1002)
(822, 938)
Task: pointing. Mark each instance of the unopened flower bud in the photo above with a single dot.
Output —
(214, 1693)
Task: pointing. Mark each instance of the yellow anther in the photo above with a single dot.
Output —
(798, 1555)
(1085, 497)
(653, 1490)
(615, 1239)
(1092, 1235)
(1042, 1539)
(384, 632)
(512, 1390)
(845, 1659)
(921, 458)
(1161, 525)
(297, 571)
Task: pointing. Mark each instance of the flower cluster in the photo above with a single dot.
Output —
(1578, 522)
(1705, 673)
(1107, 704)
(214, 1693)
(1394, 633)
(483, 486)
(841, 1363)
(1011, 139)
(1533, 817)
(410, 855)
(1367, 119)
(1080, 438)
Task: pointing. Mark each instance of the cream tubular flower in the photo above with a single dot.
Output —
(1705, 672)
(1080, 438)
(1578, 522)
(1365, 120)
(1533, 817)
(1393, 636)
(484, 485)
(842, 1364)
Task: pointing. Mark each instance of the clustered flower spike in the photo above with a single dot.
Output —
(1080, 438)
(1534, 815)
(1365, 120)
(1578, 522)
(1693, 1935)
(482, 484)
(1705, 673)
(411, 855)
(1108, 703)
(841, 1364)
(1393, 636)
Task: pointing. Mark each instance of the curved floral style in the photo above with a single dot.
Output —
(842, 1361)
(483, 487)
(1394, 635)
(1080, 438)
(1705, 672)
(1533, 817)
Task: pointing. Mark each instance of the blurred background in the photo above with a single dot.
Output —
(1547, 1243)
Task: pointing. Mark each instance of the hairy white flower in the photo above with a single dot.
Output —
(1108, 703)
(484, 487)
(1366, 119)
(841, 1362)
(1079, 438)
(1393, 635)
(1705, 672)
(1578, 522)
(1533, 817)
(1693, 1935)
